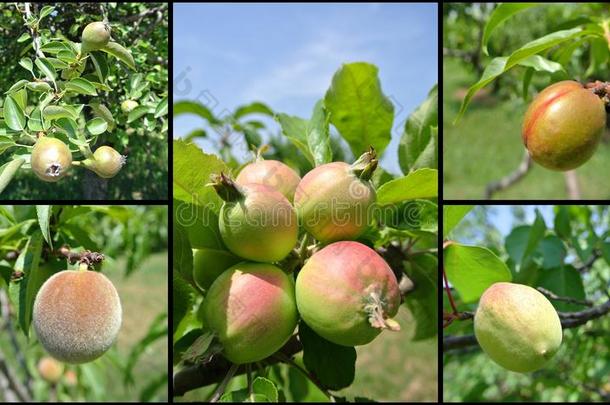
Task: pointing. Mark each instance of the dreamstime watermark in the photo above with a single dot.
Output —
(328, 213)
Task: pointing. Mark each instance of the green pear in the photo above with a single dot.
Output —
(95, 36)
(517, 327)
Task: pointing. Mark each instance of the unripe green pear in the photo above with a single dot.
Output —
(563, 125)
(128, 105)
(95, 36)
(106, 162)
(517, 327)
(51, 159)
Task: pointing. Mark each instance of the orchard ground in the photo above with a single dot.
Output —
(486, 145)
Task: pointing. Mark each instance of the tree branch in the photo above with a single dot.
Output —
(200, 375)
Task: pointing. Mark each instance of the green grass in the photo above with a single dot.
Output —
(486, 146)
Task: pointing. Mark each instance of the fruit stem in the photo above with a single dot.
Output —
(365, 165)
(226, 188)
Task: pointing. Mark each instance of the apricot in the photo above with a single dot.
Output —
(517, 327)
(77, 315)
(563, 126)
(50, 369)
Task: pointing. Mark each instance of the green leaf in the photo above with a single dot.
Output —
(40, 87)
(46, 10)
(193, 107)
(13, 114)
(161, 109)
(452, 215)
(7, 172)
(46, 68)
(137, 113)
(27, 64)
(472, 269)
(100, 110)
(422, 183)
(359, 110)
(120, 53)
(97, 126)
(52, 112)
(418, 146)
(54, 47)
(17, 86)
(101, 65)
(81, 86)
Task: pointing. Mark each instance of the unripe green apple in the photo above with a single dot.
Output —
(256, 222)
(208, 264)
(563, 126)
(517, 327)
(272, 173)
(334, 201)
(252, 309)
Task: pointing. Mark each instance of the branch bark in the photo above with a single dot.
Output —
(200, 375)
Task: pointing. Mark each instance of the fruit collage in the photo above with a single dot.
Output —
(301, 194)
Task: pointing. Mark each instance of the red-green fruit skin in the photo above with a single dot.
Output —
(208, 264)
(252, 309)
(272, 173)
(51, 159)
(563, 126)
(333, 204)
(262, 227)
(332, 290)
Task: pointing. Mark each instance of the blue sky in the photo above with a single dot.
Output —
(505, 220)
(285, 55)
